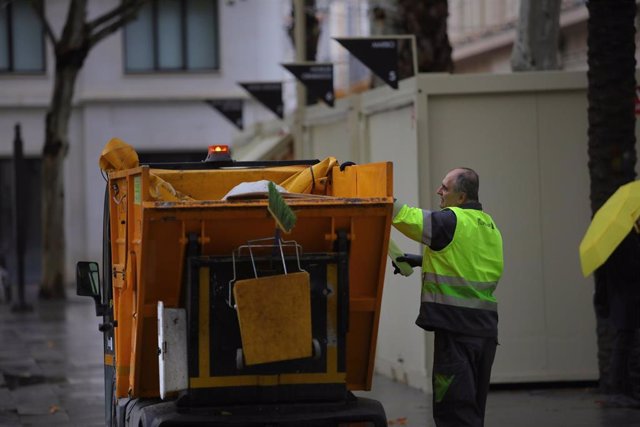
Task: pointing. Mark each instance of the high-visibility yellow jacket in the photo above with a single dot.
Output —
(459, 279)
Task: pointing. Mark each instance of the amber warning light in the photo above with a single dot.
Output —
(218, 153)
(218, 149)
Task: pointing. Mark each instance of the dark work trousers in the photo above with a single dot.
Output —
(620, 358)
(461, 373)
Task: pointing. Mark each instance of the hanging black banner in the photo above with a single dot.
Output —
(231, 108)
(380, 54)
(317, 78)
(268, 93)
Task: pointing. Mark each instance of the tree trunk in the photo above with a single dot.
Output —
(611, 75)
(312, 35)
(536, 45)
(425, 19)
(77, 39)
(312, 29)
(53, 155)
(611, 95)
(70, 55)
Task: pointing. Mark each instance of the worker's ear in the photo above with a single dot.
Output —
(462, 197)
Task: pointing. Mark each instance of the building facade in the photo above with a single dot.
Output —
(145, 84)
(482, 33)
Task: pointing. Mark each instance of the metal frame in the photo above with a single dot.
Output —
(231, 164)
(257, 244)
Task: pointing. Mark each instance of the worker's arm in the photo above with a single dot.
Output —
(432, 228)
(412, 222)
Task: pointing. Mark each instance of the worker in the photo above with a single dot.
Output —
(461, 265)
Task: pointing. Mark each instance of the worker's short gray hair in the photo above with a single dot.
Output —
(468, 182)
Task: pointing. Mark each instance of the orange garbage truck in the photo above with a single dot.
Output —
(215, 313)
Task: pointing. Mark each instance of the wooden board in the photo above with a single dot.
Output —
(275, 317)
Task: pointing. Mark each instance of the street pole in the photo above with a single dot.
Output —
(300, 29)
(19, 216)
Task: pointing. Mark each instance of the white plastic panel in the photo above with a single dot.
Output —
(172, 349)
(401, 344)
(524, 153)
(331, 139)
(571, 340)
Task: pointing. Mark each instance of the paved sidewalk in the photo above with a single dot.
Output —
(51, 365)
(51, 375)
(556, 407)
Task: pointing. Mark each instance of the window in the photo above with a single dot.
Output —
(21, 38)
(173, 35)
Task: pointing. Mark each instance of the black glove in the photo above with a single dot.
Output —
(413, 260)
(396, 269)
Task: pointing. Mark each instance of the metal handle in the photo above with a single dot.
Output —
(278, 244)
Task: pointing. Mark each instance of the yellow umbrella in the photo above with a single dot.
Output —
(609, 226)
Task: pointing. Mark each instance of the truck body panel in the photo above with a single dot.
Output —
(175, 240)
